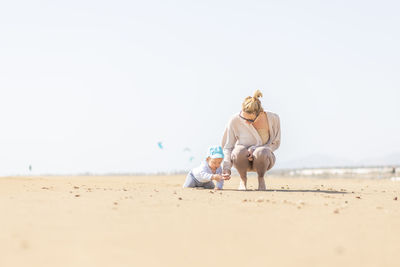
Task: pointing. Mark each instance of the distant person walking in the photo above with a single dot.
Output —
(249, 141)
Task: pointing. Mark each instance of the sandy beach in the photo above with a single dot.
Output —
(152, 221)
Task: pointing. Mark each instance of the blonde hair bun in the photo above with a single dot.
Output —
(253, 104)
(257, 94)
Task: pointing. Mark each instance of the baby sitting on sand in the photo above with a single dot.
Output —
(209, 170)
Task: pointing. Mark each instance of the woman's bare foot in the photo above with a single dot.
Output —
(243, 184)
(261, 184)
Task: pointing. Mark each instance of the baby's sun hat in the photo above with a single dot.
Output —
(215, 152)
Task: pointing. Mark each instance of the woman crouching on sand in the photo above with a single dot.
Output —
(249, 141)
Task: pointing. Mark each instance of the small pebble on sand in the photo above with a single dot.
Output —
(336, 211)
(76, 187)
(395, 198)
(179, 198)
(358, 197)
(77, 195)
(24, 244)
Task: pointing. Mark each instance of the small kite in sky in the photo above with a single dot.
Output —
(186, 149)
(191, 159)
(160, 145)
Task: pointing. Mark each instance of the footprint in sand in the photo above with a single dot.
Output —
(24, 244)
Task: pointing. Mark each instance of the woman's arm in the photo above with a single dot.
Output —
(228, 143)
(276, 142)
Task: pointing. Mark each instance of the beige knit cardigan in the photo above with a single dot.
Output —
(238, 132)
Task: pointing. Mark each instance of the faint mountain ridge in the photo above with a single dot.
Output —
(313, 161)
(326, 161)
(390, 159)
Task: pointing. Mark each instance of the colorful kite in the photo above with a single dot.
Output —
(160, 145)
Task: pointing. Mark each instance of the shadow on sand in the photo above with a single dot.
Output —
(291, 191)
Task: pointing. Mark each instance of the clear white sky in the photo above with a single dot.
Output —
(94, 85)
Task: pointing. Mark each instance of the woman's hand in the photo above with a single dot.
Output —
(250, 153)
(226, 174)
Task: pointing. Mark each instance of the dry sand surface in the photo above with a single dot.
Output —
(152, 221)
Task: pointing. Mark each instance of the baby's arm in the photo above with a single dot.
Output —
(220, 184)
(201, 174)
